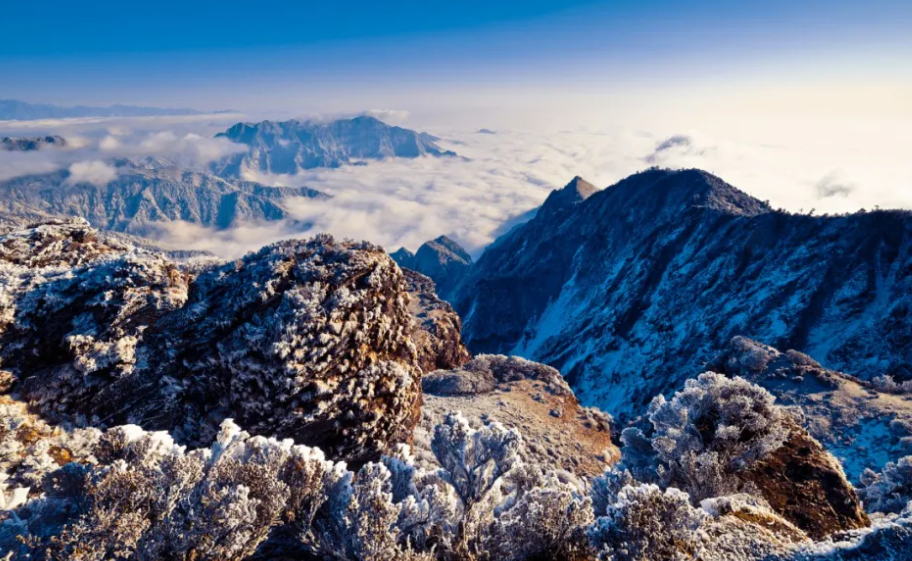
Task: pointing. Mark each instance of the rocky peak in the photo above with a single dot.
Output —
(444, 250)
(404, 258)
(667, 193)
(577, 191)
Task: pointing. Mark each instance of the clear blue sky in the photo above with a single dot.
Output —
(240, 54)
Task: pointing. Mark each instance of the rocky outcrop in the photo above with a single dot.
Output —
(290, 146)
(305, 339)
(57, 243)
(141, 198)
(631, 290)
(863, 426)
(441, 259)
(436, 327)
(530, 397)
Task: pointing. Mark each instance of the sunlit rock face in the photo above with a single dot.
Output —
(436, 328)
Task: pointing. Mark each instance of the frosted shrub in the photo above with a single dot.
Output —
(484, 503)
(890, 490)
(138, 495)
(887, 384)
(706, 433)
(646, 523)
(149, 499)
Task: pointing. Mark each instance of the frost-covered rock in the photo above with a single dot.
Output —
(303, 339)
(520, 394)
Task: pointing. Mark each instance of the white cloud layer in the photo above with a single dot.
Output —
(184, 141)
(502, 176)
(830, 167)
(95, 172)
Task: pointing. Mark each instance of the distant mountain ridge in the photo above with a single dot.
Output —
(141, 197)
(15, 110)
(441, 259)
(288, 147)
(29, 144)
(625, 291)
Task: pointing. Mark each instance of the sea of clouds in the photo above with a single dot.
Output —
(498, 178)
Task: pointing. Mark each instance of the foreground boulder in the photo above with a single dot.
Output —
(303, 339)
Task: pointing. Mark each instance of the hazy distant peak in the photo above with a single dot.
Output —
(447, 246)
(286, 147)
(28, 144)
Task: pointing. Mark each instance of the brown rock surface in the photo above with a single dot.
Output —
(806, 485)
(436, 328)
(531, 397)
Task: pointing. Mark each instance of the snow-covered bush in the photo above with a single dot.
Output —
(887, 384)
(705, 434)
(890, 490)
(646, 523)
(139, 495)
(148, 498)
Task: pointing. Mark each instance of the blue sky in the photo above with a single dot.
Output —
(299, 56)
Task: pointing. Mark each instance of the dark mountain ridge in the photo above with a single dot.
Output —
(625, 291)
(442, 259)
(13, 109)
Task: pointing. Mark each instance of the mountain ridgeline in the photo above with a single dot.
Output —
(291, 146)
(628, 289)
(140, 198)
